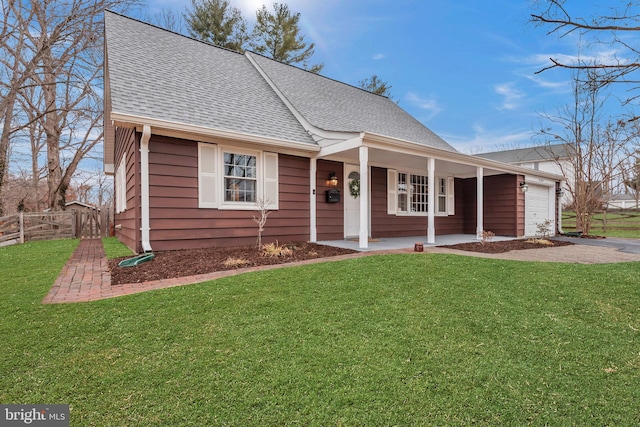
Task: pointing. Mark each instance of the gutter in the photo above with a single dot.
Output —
(197, 132)
(144, 184)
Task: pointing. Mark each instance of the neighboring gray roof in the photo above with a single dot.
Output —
(530, 154)
(625, 196)
(162, 75)
(335, 106)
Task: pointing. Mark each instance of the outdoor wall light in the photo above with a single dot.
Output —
(559, 192)
(333, 180)
(524, 187)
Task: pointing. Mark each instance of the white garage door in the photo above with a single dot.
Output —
(537, 209)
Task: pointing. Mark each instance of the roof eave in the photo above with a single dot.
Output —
(372, 139)
(194, 131)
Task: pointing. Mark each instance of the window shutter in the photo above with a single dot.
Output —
(271, 179)
(451, 197)
(392, 192)
(121, 185)
(207, 182)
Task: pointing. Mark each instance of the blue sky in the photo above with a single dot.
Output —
(465, 68)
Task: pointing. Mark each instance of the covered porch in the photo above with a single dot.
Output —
(405, 189)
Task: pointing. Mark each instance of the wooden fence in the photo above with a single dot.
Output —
(25, 227)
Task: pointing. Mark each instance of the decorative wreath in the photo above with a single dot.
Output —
(354, 184)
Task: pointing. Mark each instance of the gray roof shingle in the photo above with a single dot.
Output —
(335, 106)
(530, 154)
(159, 74)
(163, 75)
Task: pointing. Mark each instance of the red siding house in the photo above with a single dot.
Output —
(196, 136)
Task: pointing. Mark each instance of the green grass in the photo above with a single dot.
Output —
(113, 248)
(414, 339)
(619, 224)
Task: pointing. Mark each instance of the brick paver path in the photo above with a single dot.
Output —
(86, 276)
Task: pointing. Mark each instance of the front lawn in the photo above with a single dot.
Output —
(415, 339)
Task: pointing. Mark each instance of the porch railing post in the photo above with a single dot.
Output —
(480, 202)
(431, 201)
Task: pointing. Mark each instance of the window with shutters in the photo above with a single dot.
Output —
(408, 194)
(241, 178)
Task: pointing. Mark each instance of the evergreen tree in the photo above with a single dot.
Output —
(216, 22)
(374, 85)
(276, 35)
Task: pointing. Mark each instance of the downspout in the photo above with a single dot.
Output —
(144, 184)
(313, 222)
(559, 205)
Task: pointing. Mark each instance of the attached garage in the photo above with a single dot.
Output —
(539, 206)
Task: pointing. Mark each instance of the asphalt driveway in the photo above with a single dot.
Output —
(630, 246)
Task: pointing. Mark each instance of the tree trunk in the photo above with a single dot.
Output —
(51, 127)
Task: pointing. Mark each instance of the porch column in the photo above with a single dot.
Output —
(480, 197)
(313, 232)
(431, 204)
(364, 197)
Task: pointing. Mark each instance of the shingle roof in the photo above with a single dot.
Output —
(163, 75)
(335, 106)
(530, 154)
(159, 74)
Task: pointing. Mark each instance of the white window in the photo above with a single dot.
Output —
(242, 178)
(120, 185)
(408, 194)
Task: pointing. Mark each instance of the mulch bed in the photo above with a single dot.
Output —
(191, 262)
(499, 247)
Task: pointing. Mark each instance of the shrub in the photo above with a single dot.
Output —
(276, 250)
(486, 236)
(235, 262)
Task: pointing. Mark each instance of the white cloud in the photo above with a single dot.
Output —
(483, 140)
(378, 56)
(430, 105)
(511, 96)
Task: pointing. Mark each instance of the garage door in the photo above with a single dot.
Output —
(537, 208)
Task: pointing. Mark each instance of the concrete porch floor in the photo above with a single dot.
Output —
(395, 243)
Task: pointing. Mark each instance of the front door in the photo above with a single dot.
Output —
(351, 201)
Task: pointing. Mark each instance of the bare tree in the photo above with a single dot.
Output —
(15, 71)
(597, 144)
(52, 59)
(607, 30)
(168, 19)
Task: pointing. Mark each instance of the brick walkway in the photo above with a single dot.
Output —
(86, 276)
